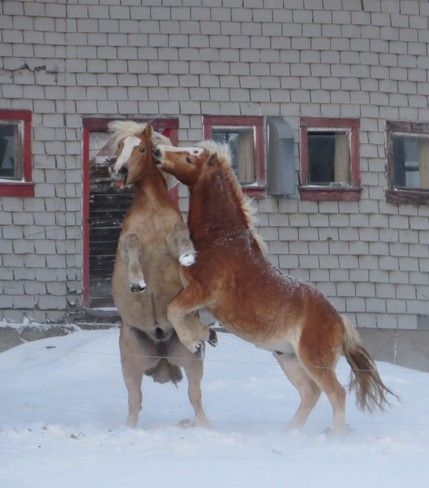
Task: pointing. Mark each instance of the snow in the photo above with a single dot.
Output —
(63, 403)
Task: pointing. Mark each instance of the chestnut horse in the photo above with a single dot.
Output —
(153, 241)
(234, 280)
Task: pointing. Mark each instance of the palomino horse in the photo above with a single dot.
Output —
(233, 279)
(146, 275)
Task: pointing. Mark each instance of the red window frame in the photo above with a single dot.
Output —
(98, 124)
(25, 187)
(210, 121)
(314, 193)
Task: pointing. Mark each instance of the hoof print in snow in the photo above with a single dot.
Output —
(186, 423)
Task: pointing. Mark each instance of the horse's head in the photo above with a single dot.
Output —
(185, 163)
(133, 157)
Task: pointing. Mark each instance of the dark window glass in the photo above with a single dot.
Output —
(329, 158)
(411, 162)
(10, 151)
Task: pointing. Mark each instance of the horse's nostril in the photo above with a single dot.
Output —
(157, 152)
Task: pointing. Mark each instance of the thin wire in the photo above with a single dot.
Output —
(178, 358)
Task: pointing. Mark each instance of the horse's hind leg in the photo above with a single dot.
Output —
(307, 388)
(130, 248)
(194, 374)
(193, 367)
(321, 367)
(134, 364)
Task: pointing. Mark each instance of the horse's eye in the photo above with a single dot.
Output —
(142, 149)
(188, 160)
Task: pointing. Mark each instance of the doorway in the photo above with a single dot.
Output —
(103, 208)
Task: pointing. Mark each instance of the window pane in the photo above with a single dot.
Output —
(10, 151)
(411, 162)
(329, 158)
(241, 143)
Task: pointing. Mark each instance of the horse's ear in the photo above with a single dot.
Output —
(212, 160)
(148, 131)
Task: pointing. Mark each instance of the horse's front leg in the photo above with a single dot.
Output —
(181, 245)
(131, 251)
(180, 314)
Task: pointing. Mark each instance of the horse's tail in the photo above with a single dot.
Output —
(371, 392)
(164, 372)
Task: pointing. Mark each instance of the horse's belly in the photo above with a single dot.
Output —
(268, 322)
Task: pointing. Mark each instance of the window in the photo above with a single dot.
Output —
(15, 153)
(330, 167)
(244, 135)
(407, 162)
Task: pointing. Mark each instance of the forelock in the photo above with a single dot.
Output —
(124, 128)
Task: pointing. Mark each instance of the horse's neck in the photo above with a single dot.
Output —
(213, 212)
(152, 190)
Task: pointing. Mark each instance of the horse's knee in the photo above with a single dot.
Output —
(132, 241)
(174, 312)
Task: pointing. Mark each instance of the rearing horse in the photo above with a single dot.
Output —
(234, 280)
(154, 239)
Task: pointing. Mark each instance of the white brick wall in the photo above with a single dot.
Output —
(273, 57)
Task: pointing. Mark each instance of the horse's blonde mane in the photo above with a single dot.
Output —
(125, 128)
(224, 157)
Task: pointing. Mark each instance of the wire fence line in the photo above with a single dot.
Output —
(29, 407)
(182, 358)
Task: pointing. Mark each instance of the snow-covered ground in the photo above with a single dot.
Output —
(63, 401)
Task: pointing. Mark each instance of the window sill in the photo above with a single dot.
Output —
(320, 193)
(256, 192)
(17, 189)
(416, 197)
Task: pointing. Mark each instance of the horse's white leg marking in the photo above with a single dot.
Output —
(129, 144)
(187, 253)
(187, 258)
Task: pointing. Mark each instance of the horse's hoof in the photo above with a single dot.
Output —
(212, 338)
(138, 287)
(186, 423)
(131, 422)
(187, 259)
(198, 349)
